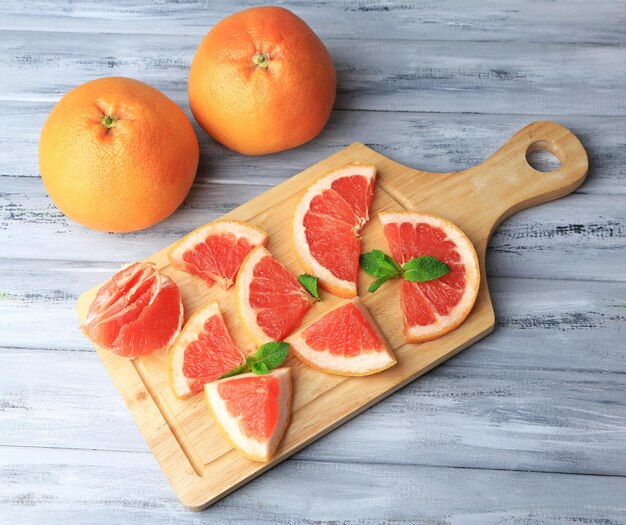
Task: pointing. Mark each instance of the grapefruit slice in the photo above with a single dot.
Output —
(346, 341)
(433, 308)
(270, 300)
(214, 252)
(326, 226)
(202, 352)
(252, 411)
(136, 312)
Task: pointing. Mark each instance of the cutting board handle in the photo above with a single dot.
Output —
(518, 184)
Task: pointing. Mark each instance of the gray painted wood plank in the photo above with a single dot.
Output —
(586, 229)
(476, 77)
(471, 415)
(515, 20)
(561, 316)
(431, 142)
(66, 486)
(435, 85)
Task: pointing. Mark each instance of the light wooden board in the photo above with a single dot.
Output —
(196, 459)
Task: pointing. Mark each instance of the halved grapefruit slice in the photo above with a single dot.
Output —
(202, 352)
(433, 308)
(214, 251)
(326, 225)
(270, 300)
(136, 312)
(346, 341)
(252, 411)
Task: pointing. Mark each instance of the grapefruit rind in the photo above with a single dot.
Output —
(367, 363)
(446, 323)
(189, 334)
(255, 236)
(229, 425)
(328, 281)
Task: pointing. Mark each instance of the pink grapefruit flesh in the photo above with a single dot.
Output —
(345, 341)
(433, 308)
(202, 352)
(136, 312)
(215, 251)
(252, 411)
(270, 300)
(326, 225)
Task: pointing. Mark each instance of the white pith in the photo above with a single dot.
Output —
(472, 272)
(299, 234)
(367, 362)
(239, 229)
(258, 450)
(190, 333)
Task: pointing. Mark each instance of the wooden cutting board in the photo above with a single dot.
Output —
(198, 462)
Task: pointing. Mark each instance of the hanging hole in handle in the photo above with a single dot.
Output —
(543, 156)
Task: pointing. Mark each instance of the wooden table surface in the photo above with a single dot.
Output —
(527, 426)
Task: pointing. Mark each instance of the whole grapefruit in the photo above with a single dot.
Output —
(262, 81)
(117, 155)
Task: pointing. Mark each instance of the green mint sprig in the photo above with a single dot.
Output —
(309, 282)
(383, 267)
(269, 356)
(424, 268)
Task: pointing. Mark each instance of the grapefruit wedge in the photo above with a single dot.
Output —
(136, 312)
(214, 252)
(433, 308)
(270, 300)
(326, 226)
(202, 352)
(252, 411)
(346, 341)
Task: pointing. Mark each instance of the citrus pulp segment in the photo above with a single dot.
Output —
(326, 225)
(214, 252)
(202, 352)
(252, 411)
(270, 300)
(433, 308)
(136, 312)
(345, 341)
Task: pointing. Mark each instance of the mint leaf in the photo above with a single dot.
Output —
(370, 261)
(309, 282)
(424, 268)
(377, 284)
(259, 368)
(236, 371)
(379, 264)
(270, 354)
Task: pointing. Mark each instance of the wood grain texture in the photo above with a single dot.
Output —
(370, 494)
(380, 75)
(541, 393)
(440, 142)
(601, 21)
(201, 467)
